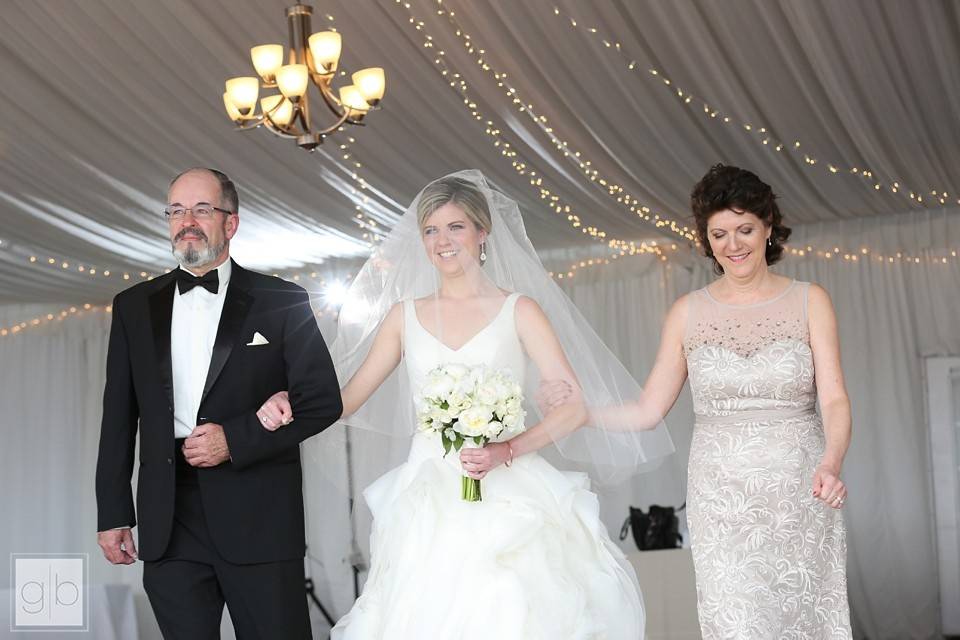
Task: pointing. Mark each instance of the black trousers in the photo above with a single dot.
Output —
(188, 586)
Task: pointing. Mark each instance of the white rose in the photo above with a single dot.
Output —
(438, 388)
(455, 371)
(474, 421)
(464, 387)
(458, 402)
(424, 424)
(488, 392)
(439, 415)
(513, 420)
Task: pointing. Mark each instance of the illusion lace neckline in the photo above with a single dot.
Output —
(786, 290)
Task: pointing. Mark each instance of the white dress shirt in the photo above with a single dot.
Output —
(193, 330)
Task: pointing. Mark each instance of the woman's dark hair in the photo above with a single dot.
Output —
(726, 187)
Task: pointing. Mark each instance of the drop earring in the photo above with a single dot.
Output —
(483, 252)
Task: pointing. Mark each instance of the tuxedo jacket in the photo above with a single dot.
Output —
(253, 503)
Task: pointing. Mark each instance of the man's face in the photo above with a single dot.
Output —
(199, 241)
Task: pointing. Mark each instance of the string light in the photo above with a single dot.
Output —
(577, 158)
(834, 254)
(645, 248)
(64, 264)
(371, 231)
(866, 255)
(763, 134)
(316, 284)
(521, 166)
(48, 318)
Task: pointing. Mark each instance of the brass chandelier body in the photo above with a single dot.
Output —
(312, 59)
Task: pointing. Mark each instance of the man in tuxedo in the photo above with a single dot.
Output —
(192, 356)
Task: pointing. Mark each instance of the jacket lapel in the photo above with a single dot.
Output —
(236, 306)
(161, 315)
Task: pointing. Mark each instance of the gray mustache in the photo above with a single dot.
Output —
(190, 232)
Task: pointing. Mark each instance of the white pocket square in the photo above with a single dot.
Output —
(258, 339)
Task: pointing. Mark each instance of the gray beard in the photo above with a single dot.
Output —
(193, 257)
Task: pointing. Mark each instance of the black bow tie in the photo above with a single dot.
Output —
(209, 281)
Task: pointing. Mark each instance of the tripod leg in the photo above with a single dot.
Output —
(316, 601)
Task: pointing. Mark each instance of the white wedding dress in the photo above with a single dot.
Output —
(531, 561)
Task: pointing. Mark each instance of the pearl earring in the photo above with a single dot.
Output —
(483, 252)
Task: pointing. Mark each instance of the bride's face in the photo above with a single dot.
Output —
(451, 239)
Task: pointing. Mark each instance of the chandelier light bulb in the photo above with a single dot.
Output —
(371, 84)
(325, 49)
(267, 59)
(232, 111)
(351, 98)
(292, 80)
(278, 109)
(243, 93)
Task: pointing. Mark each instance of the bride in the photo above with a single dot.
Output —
(457, 282)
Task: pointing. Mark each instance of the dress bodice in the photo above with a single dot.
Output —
(496, 345)
(750, 360)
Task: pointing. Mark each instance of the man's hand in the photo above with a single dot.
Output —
(117, 546)
(206, 446)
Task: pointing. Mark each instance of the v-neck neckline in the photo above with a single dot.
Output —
(469, 340)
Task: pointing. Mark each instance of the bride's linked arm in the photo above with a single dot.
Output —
(544, 349)
(660, 391)
(383, 358)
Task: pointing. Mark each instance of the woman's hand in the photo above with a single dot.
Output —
(552, 393)
(276, 412)
(828, 486)
(477, 462)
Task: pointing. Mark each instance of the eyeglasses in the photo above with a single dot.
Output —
(200, 212)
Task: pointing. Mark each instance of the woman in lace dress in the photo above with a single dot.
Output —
(767, 535)
(764, 488)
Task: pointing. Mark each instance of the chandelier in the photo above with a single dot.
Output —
(312, 58)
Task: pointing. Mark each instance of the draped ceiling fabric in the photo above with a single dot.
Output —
(105, 101)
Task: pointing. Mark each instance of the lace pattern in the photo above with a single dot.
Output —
(770, 559)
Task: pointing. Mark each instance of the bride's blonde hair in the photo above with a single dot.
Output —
(454, 190)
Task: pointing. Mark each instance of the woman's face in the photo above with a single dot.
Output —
(451, 239)
(738, 241)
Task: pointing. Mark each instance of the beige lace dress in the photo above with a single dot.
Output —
(770, 558)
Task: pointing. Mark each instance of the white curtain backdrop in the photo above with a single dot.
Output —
(891, 316)
(51, 391)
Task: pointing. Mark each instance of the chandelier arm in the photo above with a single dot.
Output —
(278, 130)
(249, 123)
(303, 115)
(332, 102)
(339, 123)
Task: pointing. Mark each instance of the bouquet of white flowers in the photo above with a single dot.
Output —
(475, 404)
